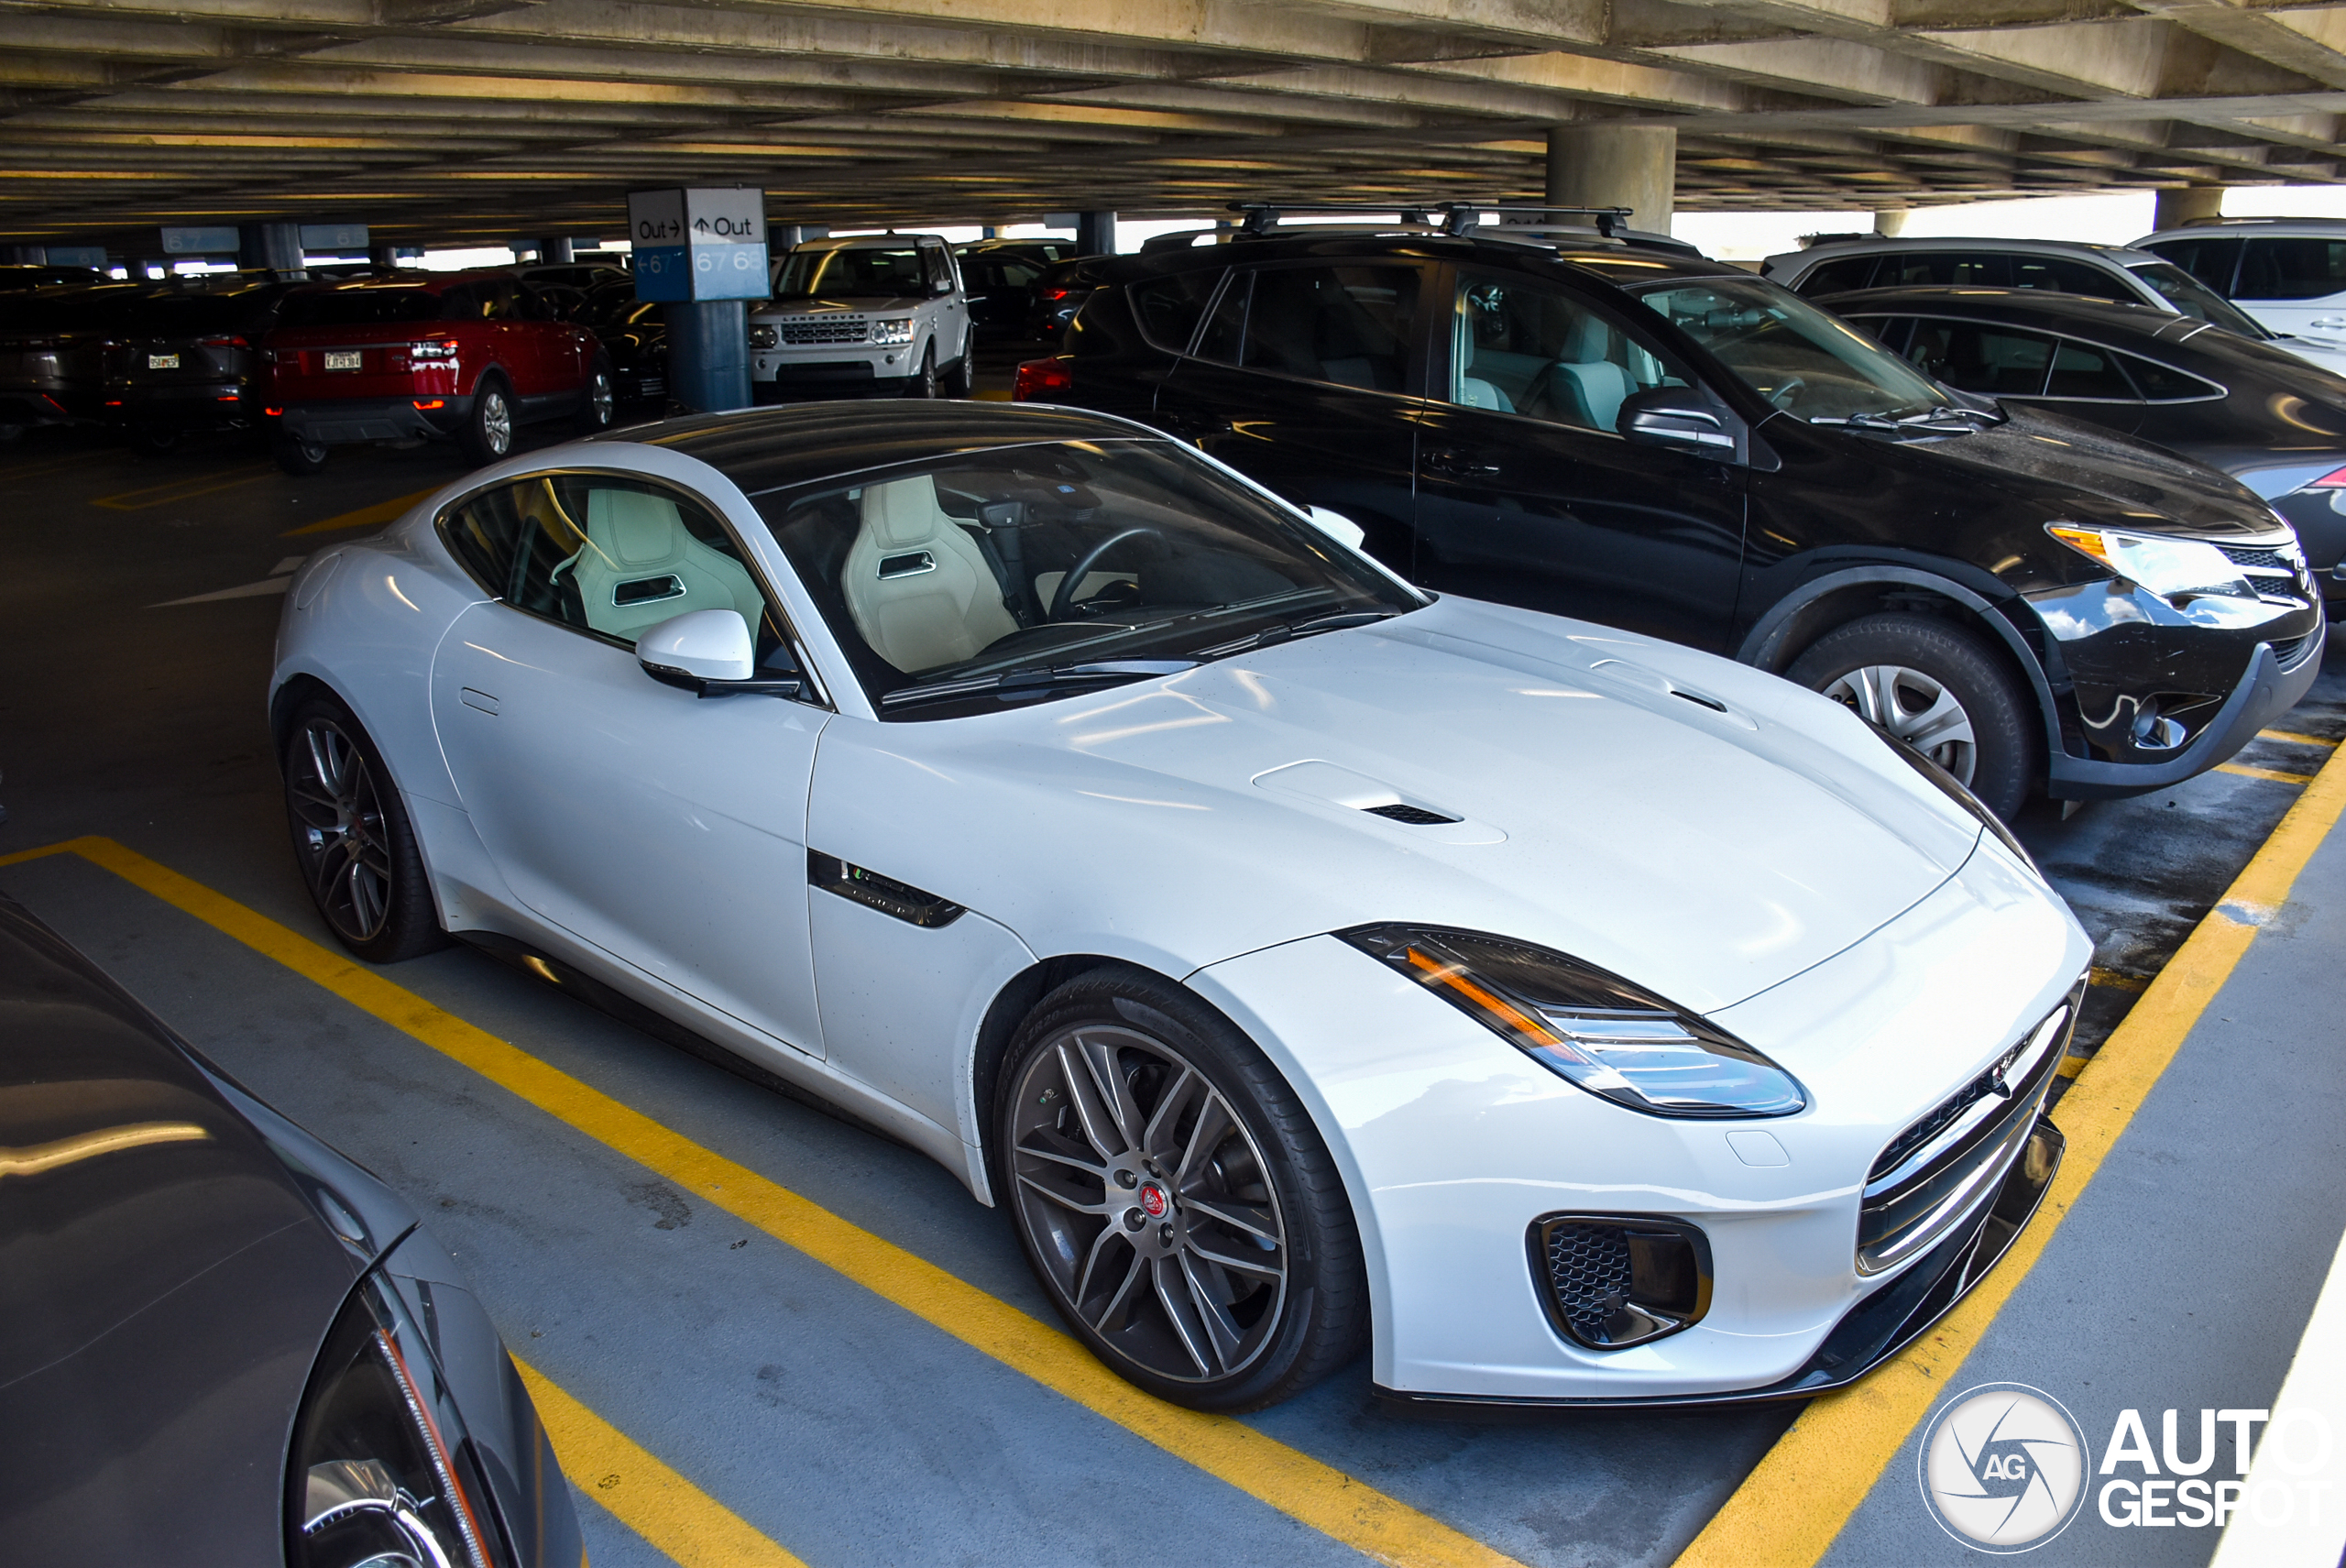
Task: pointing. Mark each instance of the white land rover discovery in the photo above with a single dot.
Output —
(869, 313)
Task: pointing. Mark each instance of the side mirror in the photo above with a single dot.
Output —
(942, 286)
(709, 654)
(1337, 527)
(1677, 417)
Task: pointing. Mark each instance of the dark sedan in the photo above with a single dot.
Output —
(220, 1341)
(189, 359)
(2267, 418)
(1059, 292)
(634, 333)
(53, 351)
(1000, 276)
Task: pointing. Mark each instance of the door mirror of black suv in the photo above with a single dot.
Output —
(1676, 416)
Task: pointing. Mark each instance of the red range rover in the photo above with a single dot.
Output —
(447, 355)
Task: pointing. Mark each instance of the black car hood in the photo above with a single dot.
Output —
(2072, 471)
(165, 1280)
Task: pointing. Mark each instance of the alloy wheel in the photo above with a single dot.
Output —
(338, 830)
(1149, 1203)
(495, 423)
(1916, 709)
(604, 400)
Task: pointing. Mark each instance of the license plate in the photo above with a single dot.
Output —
(344, 360)
(162, 362)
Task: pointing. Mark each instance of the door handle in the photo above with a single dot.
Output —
(1442, 460)
(479, 699)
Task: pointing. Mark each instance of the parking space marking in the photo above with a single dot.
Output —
(181, 489)
(378, 515)
(2271, 774)
(1790, 1508)
(2294, 739)
(641, 1492)
(1313, 1493)
(2113, 979)
(51, 465)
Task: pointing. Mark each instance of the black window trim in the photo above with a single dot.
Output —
(2117, 356)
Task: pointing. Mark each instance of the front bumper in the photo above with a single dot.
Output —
(773, 379)
(347, 419)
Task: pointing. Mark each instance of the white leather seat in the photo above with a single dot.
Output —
(1475, 393)
(916, 585)
(640, 566)
(1599, 383)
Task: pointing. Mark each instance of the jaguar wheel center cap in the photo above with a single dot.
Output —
(1154, 1200)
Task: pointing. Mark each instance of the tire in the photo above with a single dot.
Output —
(1939, 688)
(925, 385)
(1146, 1286)
(963, 379)
(352, 840)
(489, 429)
(595, 415)
(298, 456)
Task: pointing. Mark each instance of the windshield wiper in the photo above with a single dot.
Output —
(1929, 419)
(1305, 626)
(1041, 677)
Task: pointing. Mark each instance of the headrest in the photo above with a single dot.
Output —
(901, 513)
(1588, 340)
(633, 527)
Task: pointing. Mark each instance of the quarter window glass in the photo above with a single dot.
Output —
(2164, 384)
(1944, 268)
(1168, 308)
(610, 558)
(1850, 272)
(1346, 325)
(2292, 269)
(1975, 358)
(1523, 348)
(1227, 330)
(2058, 275)
(2213, 261)
(2082, 371)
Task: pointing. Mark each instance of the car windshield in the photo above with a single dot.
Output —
(2197, 301)
(1023, 571)
(869, 270)
(1811, 364)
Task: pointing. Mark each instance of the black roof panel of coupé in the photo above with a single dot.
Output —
(769, 449)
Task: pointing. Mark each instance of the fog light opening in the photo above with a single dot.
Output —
(1612, 1282)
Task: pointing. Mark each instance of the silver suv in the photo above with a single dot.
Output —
(2123, 274)
(2289, 273)
(863, 314)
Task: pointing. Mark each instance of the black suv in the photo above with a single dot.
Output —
(1638, 437)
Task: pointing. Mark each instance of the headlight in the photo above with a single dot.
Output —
(375, 1479)
(898, 329)
(2171, 568)
(764, 337)
(1596, 1029)
(1946, 784)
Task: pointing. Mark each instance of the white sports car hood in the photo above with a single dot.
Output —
(1685, 822)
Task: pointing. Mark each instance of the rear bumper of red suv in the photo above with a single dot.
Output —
(345, 420)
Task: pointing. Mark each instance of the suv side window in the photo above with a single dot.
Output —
(1526, 347)
(608, 556)
(1167, 308)
(1348, 325)
(1942, 268)
(1996, 360)
(2292, 268)
(2060, 275)
(1850, 272)
(934, 267)
(2212, 260)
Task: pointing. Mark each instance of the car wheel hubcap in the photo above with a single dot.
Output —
(338, 831)
(1149, 1202)
(497, 423)
(603, 400)
(1916, 709)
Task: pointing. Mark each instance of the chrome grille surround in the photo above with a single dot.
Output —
(809, 330)
(1949, 1161)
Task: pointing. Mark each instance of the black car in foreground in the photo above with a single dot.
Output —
(220, 1341)
(1653, 441)
(2269, 419)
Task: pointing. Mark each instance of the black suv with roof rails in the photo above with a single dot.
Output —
(1632, 436)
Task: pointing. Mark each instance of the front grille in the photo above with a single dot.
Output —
(2246, 555)
(1415, 816)
(2290, 651)
(825, 329)
(1913, 1196)
(1588, 1271)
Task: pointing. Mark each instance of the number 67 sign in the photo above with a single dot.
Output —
(698, 244)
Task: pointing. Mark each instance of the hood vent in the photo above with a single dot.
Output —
(1415, 816)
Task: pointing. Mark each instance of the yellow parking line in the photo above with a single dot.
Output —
(381, 512)
(1297, 1484)
(2110, 979)
(2294, 739)
(181, 490)
(641, 1492)
(2273, 774)
(1788, 1510)
(49, 465)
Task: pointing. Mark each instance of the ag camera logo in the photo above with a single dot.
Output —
(2003, 1468)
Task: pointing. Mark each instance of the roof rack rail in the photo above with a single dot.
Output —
(1452, 217)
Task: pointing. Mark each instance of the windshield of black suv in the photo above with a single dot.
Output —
(1809, 364)
(1033, 571)
(808, 273)
(2197, 301)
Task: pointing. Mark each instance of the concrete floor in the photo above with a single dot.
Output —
(844, 1427)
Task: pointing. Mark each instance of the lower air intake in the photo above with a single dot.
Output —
(1611, 1283)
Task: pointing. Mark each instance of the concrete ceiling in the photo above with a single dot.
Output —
(454, 119)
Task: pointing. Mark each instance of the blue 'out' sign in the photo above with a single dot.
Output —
(698, 244)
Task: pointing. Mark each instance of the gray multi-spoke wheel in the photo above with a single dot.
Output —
(1941, 688)
(488, 431)
(1174, 1197)
(601, 404)
(352, 840)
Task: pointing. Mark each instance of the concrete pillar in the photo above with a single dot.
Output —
(271, 245)
(1601, 165)
(1095, 233)
(556, 250)
(782, 236)
(1890, 222)
(2183, 204)
(708, 355)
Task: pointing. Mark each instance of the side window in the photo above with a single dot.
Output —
(1346, 325)
(1943, 268)
(2292, 269)
(2082, 371)
(2212, 260)
(1975, 358)
(1850, 272)
(1167, 308)
(2061, 275)
(2164, 384)
(1891, 332)
(461, 303)
(935, 268)
(1526, 348)
(609, 556)
(1227, 328)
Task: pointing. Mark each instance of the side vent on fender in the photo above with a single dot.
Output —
(1415, 816)
(897, 900)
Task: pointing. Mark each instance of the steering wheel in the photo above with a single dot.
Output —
(1064, 600)
(1782, 396)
